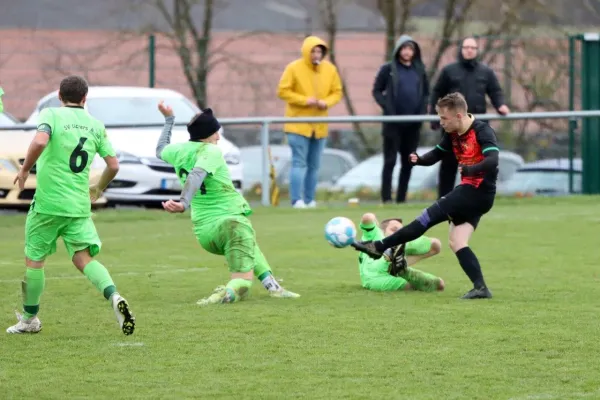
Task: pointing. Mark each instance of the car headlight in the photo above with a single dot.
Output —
(128, 158)
(7, 165)
(232, 158)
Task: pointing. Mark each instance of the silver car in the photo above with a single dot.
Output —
(334, 164)
(543, 178)
(367, 174)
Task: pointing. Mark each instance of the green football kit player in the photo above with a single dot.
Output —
(219, 213)
(67, 140)
(385, 275)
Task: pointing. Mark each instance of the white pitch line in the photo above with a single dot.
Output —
(125, 344)
(163, 272)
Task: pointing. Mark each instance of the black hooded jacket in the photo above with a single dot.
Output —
(473, 80)
(386, 82)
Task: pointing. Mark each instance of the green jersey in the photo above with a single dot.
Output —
(63, 169)
(217, 196)
(369, 267)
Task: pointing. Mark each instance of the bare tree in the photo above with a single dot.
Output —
(91, 62)
(329, 12)
(191, 43)
(396, 14)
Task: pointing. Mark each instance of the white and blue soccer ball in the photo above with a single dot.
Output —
(340, 232)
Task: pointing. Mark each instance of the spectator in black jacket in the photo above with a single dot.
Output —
(474, 81)
(401, 88)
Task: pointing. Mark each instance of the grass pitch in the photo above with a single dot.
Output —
(537, 339)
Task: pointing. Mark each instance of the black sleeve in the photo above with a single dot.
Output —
(489, 147)
(486, 137)
(440, 89)
(437, 153)
(380, 85)
(493, 90)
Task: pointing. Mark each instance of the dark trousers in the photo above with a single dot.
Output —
(400, 139)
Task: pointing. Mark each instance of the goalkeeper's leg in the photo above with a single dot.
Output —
(387, 283)
(422, 248)
(262, 270)
(235, 237)
(422, 281)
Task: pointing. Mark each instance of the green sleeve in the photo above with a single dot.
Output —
(209, 158)
(371, 232)
(168, 154)
(46, 121)
(105, 148)
(1, 105)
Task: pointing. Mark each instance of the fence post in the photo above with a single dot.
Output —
(265, 187)
(151, 60)
(590, 98)
(572, 121)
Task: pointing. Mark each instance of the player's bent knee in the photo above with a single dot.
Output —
(457, 244)
(436, 246)
(34, 264)
(441, 285)
(81, 259)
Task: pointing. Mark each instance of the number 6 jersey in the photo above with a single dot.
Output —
(63, 169)
(217, 197)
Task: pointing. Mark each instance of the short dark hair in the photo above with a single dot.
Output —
(384, 224)
(453, 101)
(73, 89)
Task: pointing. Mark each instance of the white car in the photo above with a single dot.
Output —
(143, 178)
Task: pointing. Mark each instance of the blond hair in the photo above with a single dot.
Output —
(453, 102)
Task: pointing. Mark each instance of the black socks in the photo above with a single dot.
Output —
(470, 264)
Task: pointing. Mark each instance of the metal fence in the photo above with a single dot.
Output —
(267, 122)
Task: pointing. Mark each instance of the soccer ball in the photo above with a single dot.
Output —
(340, 232)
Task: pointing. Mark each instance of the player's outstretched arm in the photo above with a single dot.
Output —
(165, 136)
(37, 146)
(428, 158)
(193, 183)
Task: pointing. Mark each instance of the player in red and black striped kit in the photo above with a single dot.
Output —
(475, 147)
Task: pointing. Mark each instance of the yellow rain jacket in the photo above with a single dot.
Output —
(302, 80)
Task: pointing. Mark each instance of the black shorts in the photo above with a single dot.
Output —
(466, 203)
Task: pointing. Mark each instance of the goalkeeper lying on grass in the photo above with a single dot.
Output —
(390, 272)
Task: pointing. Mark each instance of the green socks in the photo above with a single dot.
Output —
(237, 289)
(420, 280)
(34, 282)
(32, 287)
(99, 276)
(262, 271)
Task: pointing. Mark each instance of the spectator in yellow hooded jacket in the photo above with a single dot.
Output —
(310, 86)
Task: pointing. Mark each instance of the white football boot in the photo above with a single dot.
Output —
(30, 325)
(124, 317)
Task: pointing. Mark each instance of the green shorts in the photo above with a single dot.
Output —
(384, 283)
(43, 230)
(232, 237)
(418, 247)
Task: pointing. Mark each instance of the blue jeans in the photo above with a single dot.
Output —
(306, 160)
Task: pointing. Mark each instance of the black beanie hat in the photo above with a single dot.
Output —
(203, 125)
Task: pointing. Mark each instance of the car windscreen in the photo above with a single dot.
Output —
(137, 110)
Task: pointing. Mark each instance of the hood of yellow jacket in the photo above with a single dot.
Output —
(310, 43)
